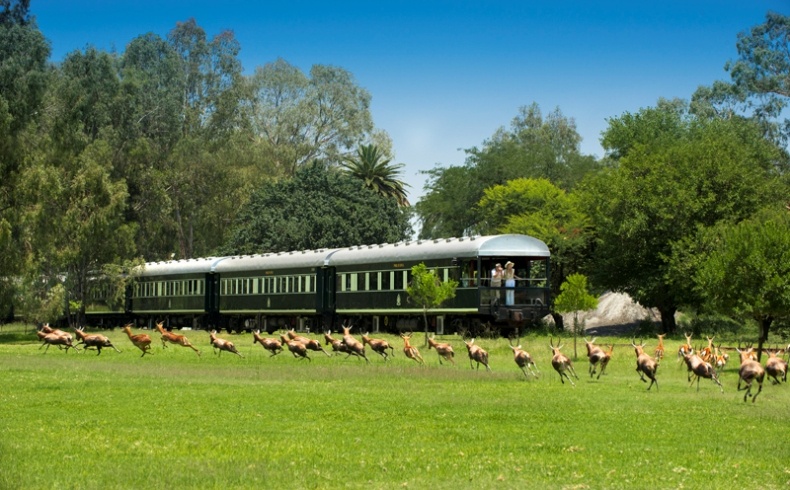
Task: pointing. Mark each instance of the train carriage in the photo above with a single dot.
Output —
(270, 290)
(182, 292)
(371, 280)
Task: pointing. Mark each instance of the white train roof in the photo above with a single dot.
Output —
(464, 247)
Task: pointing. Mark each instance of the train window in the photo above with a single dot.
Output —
(374, 281)
(386, 280)
(398, 282)
(362, 283)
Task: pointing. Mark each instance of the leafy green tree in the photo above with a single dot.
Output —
(428, 291)
(24, 76)
(317, 208)
(574, 297)
(538, 208)
(673, 174)
(301, 118)
(533, 147)
(746, 272)
(760, 79)
(378, 174)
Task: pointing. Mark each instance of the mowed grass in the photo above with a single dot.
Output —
(176, 420)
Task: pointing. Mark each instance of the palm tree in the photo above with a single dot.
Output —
(376, 171)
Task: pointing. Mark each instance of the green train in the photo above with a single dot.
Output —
(321, 289)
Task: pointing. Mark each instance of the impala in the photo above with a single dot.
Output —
(93, 340)
(646, 365)
(55, 339)
(596, 355)
(561, 363)
(379, 346)
(354, 346)
(477, 354)
(310, 344)
(701, 369)
(706, 353)
(411, 351)
(686, 348)
(270, 344)
(444, 350)
(141, 341)
(776, 367)
(174, 338)
(659, 354)
(749, 372)
(337, 344)
(222, 344)
(524, 360)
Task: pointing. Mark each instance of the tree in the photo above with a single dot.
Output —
(746, 272)
(378, 174)
(533, 147)
(317, 208)
(303, 118)
(760, 83)
(673, 174)
(23, 81)
(538, 208)
(575, 298)
(428, 291)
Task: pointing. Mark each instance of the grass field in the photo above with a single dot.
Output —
(176, 420)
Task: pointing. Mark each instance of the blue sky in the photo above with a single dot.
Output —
(444, 75)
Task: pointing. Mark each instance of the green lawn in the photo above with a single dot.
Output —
(176, 420)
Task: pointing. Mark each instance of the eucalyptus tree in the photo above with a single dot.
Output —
(760, 79)
(300, 118)
(673, 175)
(24, 77)
(372, 167)
(533, 147)
(319, 207)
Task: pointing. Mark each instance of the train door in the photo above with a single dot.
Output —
(325, 295)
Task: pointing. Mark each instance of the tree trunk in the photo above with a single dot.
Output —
(668, 324)
(558, 321)
(765, 325)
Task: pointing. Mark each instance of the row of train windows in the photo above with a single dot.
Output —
(380, 280)
(192, 287)
(268, 285)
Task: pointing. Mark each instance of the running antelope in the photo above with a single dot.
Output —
(659, 354)
(721, 358)
(686, 348)
(54, 338)
(409, 350)
(706, 353)
(523, 360)
(174, 338)
(750, 371)
(222, 344)
(47, 329)
(477, 354)
(93, 340)
(596, 355)
(310, 344)
(141, 341)
(646, 365)
(701, 369)
(776, 367)
(561, 363)
(337, 344)
(444, 350)
(270, 344)
(354, 346)
(298, 349)
(379, 346)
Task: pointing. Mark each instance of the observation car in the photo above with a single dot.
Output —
(320, 289)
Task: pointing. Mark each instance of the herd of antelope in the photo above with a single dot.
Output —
(702, 362)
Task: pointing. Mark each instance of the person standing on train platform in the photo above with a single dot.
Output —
(496, 278)
(510, 277)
